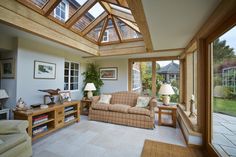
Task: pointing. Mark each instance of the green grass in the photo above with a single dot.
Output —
(225, 106)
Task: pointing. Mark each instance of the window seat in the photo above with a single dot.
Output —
(189, 127)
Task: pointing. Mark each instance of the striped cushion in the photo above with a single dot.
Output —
(138, 110)
(119, 108)
(100, 106)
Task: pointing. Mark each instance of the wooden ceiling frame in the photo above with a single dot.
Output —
(137, 10)
(31, 6)
(130, 24)
(123, 15)
(103, 30)
(79, 13)
(116, 28)
(106, 6)
(123, 3)
(94, 23)
(50, 6)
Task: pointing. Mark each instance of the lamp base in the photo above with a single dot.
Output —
(166, 100)
(90, 94)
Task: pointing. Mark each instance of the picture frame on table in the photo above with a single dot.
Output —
(7, 68)
(44, 70)
(64, 96)
(108, 73)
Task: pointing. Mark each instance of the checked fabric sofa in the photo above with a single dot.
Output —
(122, 110)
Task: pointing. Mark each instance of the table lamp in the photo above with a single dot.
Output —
(165, 91)
(3, 95)
(90, 87)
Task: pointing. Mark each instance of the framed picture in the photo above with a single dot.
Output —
(109, 73)
(64, 96)
(7, 68)
(44, 70)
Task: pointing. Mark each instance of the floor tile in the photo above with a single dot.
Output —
(222, 140)
(229, 150)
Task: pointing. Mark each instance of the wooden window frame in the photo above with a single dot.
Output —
(153, 60)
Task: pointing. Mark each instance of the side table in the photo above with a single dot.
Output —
(84, 106)
(170, 110)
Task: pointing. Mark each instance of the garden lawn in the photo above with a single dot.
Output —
(225, 106)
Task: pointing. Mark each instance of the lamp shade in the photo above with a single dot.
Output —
(3, 94)
(89, 87)
(166, 89)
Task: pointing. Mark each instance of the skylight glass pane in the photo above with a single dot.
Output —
(66, 8)
(95, 33)
(120, 8)
(88, 17)
(38, 3)
(110, 34)
(126, 31)
(96, 10)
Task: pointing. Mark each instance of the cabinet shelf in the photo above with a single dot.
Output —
(47, 121)
(70, 112)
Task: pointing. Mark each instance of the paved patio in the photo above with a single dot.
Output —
(224, 134)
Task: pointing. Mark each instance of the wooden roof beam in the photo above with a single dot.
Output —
(136, 8)
(103, 30)
(122, 15)
(94, 23)
(130, 24)
(123, 3)
(50, 6)
(116, 28)
(80, 12)
(106, 6)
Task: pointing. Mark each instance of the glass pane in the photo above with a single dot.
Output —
(66, 86)
(168, 72)
(224, 93)
(66, 8)
(110, 33)
(142, 78)
(126, 31)
(67, 65)
(66, 72)
(72, 66)
(76, 66)
(38, 3)
(94, 33)
(66, 80)
(72, 73)
(120, 8)
(88, 17)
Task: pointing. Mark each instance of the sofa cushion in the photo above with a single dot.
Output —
(119, 108)
(128, 98)
(105, 99)
(13, 126)
(138, 110)
(100, 106)
(11, 140)
(142, 101)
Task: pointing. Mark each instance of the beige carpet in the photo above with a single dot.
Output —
(159, 149)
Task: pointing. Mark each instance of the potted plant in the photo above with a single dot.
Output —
(92, 75)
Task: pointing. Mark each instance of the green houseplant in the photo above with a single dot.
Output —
(92, 75)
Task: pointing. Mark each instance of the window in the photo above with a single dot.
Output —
(71, 76)
(61, 11)
(105, 37)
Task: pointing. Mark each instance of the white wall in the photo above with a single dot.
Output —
(27, 86)
(121, 84)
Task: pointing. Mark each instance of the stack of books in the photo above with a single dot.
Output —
(70, 108)
(40, 119)
(69, 118)
(40, 129)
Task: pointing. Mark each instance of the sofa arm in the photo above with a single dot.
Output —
(13, 126)
(152, 104)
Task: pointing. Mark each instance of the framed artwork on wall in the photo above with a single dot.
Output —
(64, 96)
(44, 70)
(7, 68)
(109, 73)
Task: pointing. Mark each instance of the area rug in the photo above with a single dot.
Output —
(159, 149)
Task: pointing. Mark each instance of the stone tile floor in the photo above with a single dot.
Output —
(224, 134)
(95, 139)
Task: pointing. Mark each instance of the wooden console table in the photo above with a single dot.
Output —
(50, 119)
(170, 110)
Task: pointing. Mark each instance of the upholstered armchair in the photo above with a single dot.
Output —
(14, 140)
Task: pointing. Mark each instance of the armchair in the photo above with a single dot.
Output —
(14, 140)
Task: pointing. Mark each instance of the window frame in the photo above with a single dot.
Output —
(66, 11)
(69, 75)
(106, 32)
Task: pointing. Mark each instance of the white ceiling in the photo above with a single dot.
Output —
(13, 32)
(173, 23)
